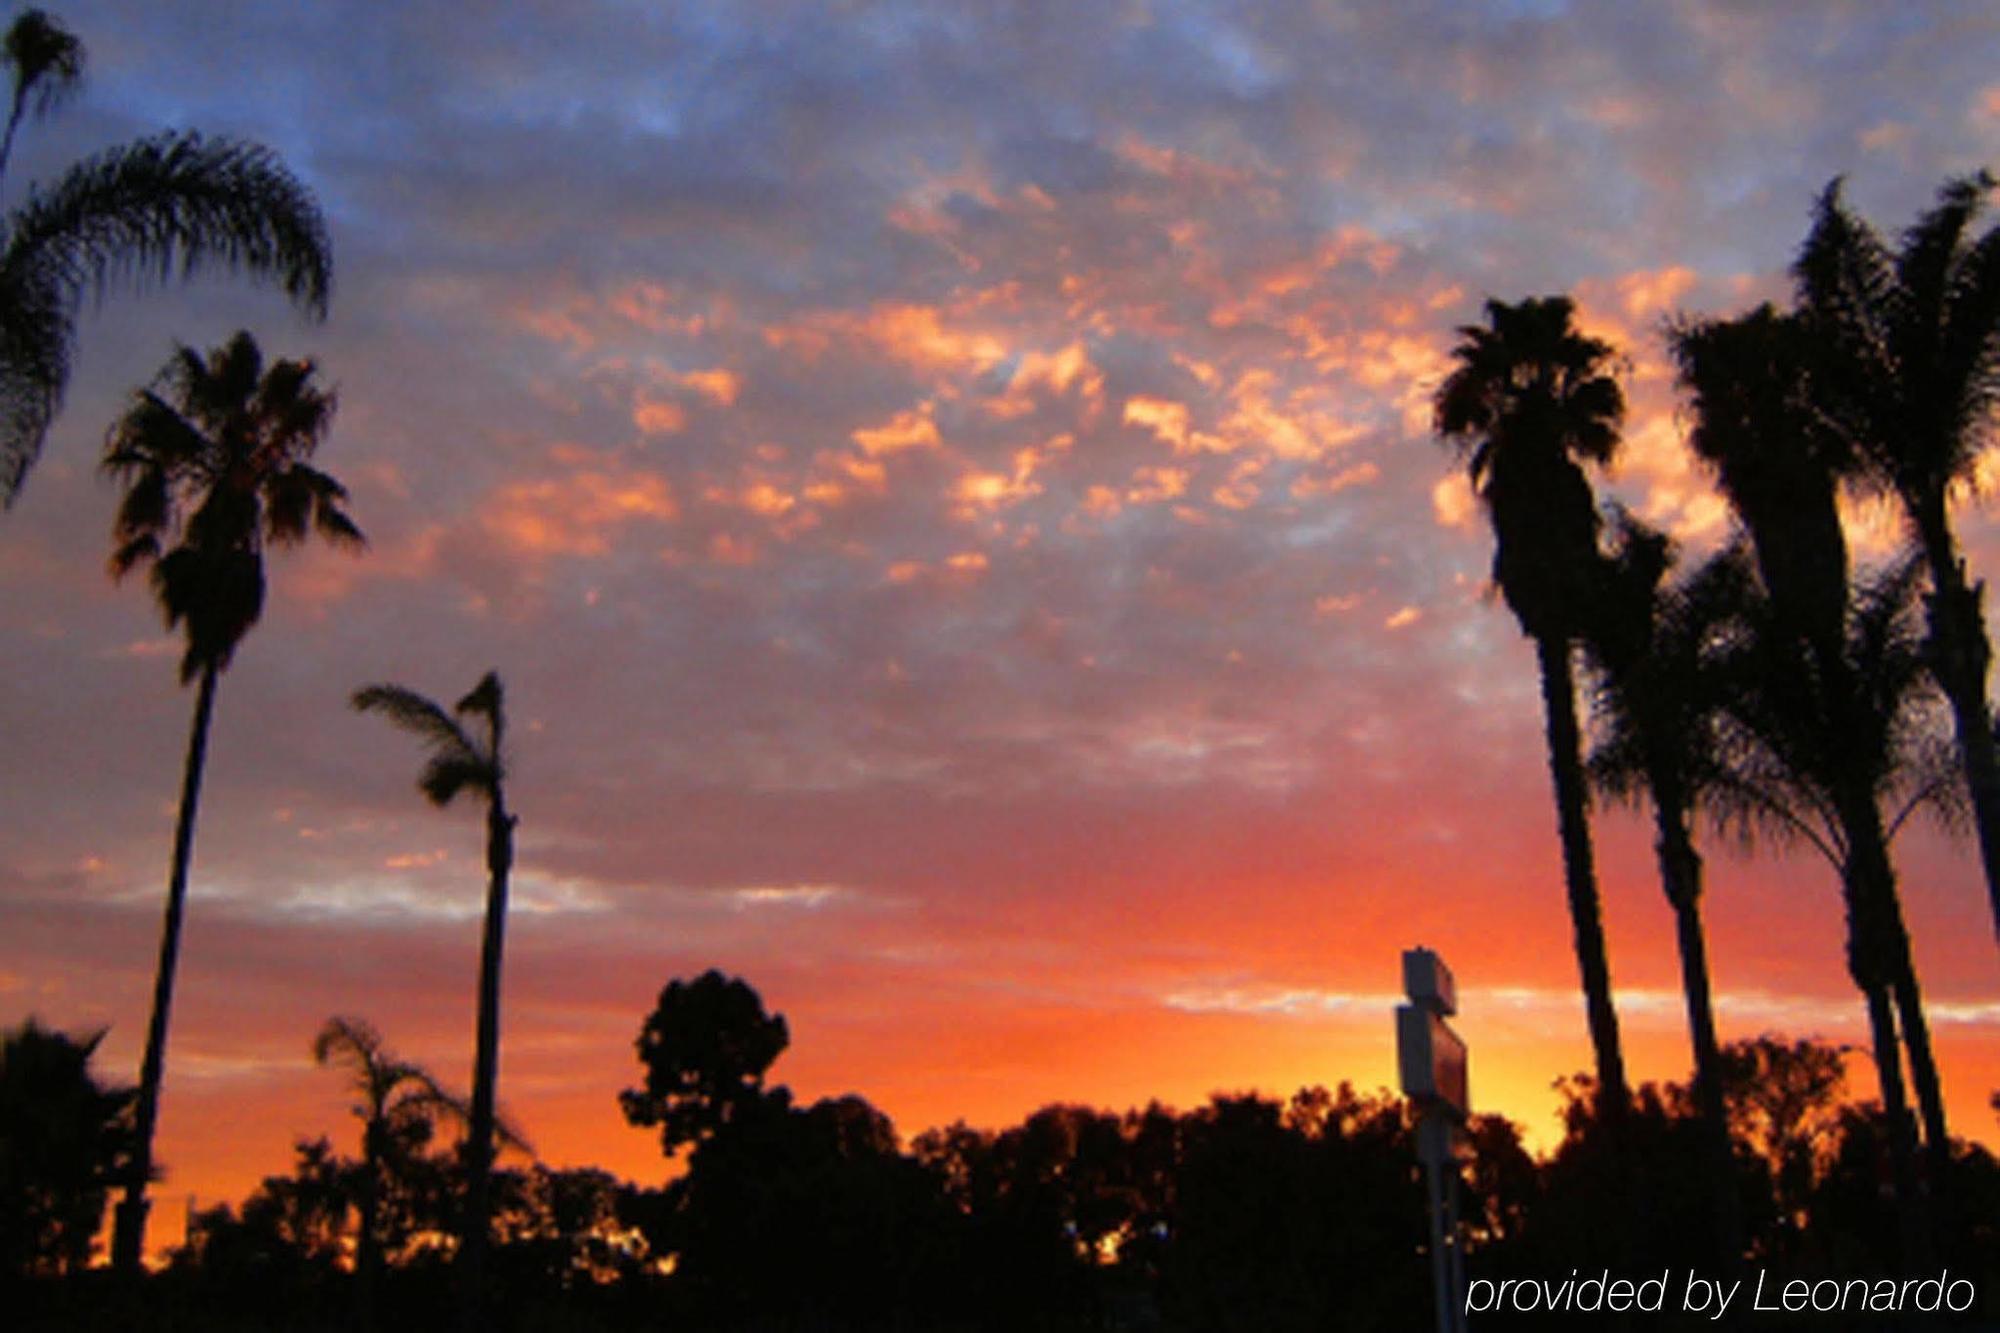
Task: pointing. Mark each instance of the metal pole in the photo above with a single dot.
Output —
(1441, 1283)
(1451, 1199)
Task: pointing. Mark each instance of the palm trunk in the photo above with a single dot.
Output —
(1960, 657)
(486, 1060)
(1913, 1223)
(1889, 946)
(1680, 875)
(1579, 872)
(1868, 884)
(128, 1242)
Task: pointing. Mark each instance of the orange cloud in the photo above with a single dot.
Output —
(658, 416)
(578, 512)
(906, 430)
(1452, 502)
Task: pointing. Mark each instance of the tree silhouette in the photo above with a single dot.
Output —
(1911, 341)
(63, 1140)
(45, 61)
(706, 1047)
(170, 204)
(1799, 779)
(214, 459)
(1828, 683)
(397, 1104)
(463, 760)
(1656, 702)
(1529, 399)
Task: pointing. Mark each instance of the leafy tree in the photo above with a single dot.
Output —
(706, 1047)
(170, 204)
(1910, 341)
(215, 459)
(63, 1140)
(475, 761)
(1528, 401)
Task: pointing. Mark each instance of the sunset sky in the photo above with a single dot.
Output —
(949, 491)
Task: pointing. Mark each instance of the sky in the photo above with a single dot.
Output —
(949, 491)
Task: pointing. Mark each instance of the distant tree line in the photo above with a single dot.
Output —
(1247, 1213)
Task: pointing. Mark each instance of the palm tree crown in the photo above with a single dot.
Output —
(46, 61)
(1528, 401)
(215, 460)
(458, 760)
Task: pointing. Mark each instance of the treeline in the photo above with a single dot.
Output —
(1245, 1213)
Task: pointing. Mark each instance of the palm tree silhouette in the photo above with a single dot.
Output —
(1528, 401)
(169, 204)
(1912, 338)
(397, 1103)
(1829, 690)
(63, 1140)
(1796, 777)
(46, 62)
(214, 461)
(1656, 700)
(460, 761)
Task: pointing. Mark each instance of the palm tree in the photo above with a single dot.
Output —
(63, 1140)
(1655, 701)
(1529, 400)
(157, 207)
(46, 61)
(214, 459)
(398, 1102)
(461, 761)
(1799, 777)
(1912, 338)
(1831, 693)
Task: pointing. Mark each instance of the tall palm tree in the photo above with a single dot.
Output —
(398, 1102)
(1655, 700)
(1846, 791)
(1830, 699)
(157, 207)
(1912, 338)
(466, 760)
(1528, 401)
(215, 462)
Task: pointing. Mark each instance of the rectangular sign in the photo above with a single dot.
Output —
(1431, 1059)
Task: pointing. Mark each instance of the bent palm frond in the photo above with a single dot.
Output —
(158, 208)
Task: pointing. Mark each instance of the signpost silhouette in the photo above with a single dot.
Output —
(1431, 1060)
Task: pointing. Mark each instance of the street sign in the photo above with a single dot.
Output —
(1432, 1060)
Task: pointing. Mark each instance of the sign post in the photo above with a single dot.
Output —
(1431, 1059)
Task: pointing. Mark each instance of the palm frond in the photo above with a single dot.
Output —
(157, 208)
(415, 714)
